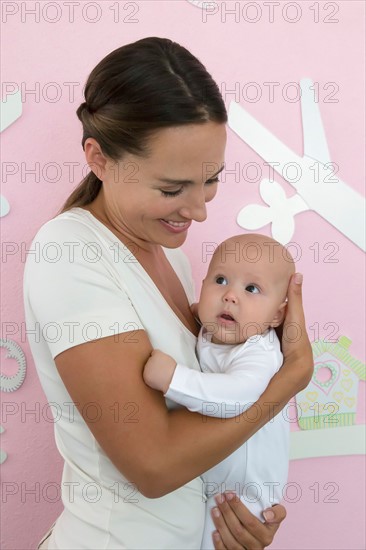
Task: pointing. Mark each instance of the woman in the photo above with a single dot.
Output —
(154, 137)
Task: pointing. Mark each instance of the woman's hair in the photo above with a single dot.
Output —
(135, 90)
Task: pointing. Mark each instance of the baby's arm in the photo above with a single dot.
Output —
(159, 370)
(214, 394)
(223, 395)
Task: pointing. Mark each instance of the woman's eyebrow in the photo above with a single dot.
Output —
(186, 182)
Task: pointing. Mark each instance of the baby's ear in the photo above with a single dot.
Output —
(279, 316)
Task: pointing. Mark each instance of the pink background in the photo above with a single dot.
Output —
(49, 132)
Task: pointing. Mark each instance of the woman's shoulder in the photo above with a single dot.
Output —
(69, 238)
(74, 223)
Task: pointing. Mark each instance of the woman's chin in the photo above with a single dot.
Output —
(174, 240)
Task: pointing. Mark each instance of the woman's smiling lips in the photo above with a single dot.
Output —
(175, 227)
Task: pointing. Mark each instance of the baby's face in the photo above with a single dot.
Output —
(240, 299)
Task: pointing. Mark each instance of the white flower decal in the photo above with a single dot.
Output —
(280, 211)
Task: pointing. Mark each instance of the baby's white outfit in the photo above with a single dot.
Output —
(233, 377)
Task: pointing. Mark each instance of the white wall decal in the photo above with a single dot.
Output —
(203, 4)
(13, 383)
(4, 206)
(10, 111)
(320, 189)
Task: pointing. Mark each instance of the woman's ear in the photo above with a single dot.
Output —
(279, 316)
(95, 158)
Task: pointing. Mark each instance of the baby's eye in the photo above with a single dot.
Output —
(221, 280)
(252, 288)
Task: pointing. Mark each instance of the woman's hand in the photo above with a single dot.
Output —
(238, 529)
(296, 348)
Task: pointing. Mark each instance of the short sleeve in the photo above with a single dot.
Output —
(71, 291)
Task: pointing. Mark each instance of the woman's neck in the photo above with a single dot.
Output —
(140, 249)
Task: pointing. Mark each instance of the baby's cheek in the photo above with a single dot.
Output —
(204, 309)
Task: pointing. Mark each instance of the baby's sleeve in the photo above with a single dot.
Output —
(226, 394)
(71, 292)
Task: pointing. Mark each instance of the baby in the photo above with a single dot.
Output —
(243, 298)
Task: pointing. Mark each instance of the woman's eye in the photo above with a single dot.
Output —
(252, 289)
(221, 280)
(215, 180)
(176, 193)
(172, 193)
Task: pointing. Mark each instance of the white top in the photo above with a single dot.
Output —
(80, 284)
(233, 378)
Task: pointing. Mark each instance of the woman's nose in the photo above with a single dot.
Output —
(195, 206)
(230, 297)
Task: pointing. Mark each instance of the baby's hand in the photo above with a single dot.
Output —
(159, 370)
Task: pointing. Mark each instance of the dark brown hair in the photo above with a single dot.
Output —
(136, 89)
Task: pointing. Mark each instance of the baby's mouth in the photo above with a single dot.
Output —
(226, 317)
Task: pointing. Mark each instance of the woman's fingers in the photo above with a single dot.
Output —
(227, 539)
(295, 341)
(257, 534)
(238, 528)
(275, 515)
(294, 310)
(217, 541)
(294, 323)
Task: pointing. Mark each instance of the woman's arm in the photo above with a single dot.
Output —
(164, 449)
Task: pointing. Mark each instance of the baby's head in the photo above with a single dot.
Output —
(244, 292)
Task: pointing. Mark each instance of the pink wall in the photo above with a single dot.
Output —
(326, 47)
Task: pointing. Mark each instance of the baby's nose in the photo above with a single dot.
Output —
(230, 297)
